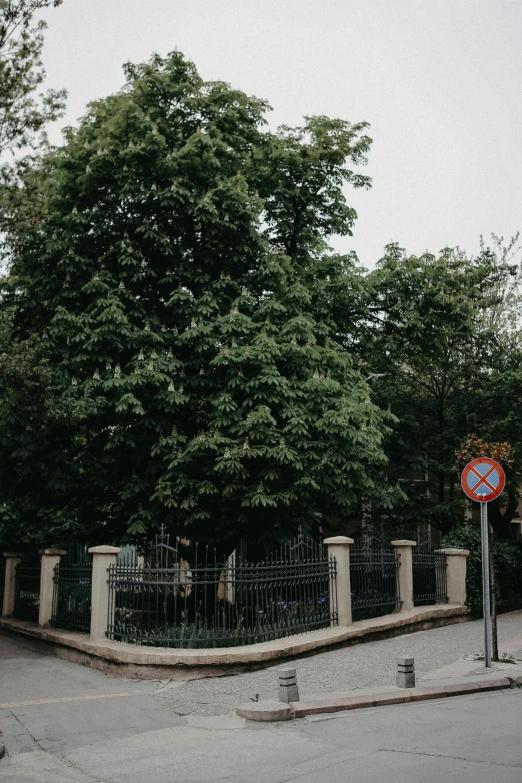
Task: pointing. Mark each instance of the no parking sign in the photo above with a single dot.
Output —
(483, 480)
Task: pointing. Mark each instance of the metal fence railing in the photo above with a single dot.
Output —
(194, 599)
(27, 589)
(429, 578)
(2, 580)
(374, 582)
(72, 591)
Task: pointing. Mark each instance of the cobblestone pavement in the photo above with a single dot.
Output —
(361, 666)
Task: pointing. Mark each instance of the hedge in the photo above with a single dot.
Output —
(508, 568)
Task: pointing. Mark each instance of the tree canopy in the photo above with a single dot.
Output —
(180, 345)
(444, 342)
(23, 113)
(179, 331)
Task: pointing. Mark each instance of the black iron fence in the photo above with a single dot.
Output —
(429, 578)
(374, 582)
(72, 590)
(193, 599)
(27, 588)
(2, 580)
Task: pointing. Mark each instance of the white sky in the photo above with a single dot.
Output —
(440, 81)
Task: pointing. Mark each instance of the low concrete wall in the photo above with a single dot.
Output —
(129, 660)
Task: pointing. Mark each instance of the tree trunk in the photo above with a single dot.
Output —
(501, 520)
(366, 521)
(441, 486)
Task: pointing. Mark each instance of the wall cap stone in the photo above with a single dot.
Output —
(342, 540)
(458, 552)
(52, 552)
(403, 542)
(104, 550)
(12, 554)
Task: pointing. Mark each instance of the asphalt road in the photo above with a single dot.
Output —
(89, 727)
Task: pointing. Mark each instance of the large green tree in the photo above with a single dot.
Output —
(170, 271)
(443, 343)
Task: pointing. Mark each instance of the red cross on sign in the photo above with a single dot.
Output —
(483, 479)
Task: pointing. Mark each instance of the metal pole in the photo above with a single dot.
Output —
(485, 583)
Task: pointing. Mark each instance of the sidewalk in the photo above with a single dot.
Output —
(362, 667)
(458, 679)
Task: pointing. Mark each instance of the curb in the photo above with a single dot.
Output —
(265, 711)
(130, 660)
(300, 709)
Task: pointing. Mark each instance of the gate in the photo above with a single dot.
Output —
(429, 578)
(72, 590)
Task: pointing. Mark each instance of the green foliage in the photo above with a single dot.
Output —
(23, 114)
(169, 270)
(439, 355)
(508, 567)
(36, 420)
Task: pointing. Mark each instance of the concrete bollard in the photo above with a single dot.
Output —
(405, 672)
(288, 690)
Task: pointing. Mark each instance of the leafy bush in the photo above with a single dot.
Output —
(508, 567)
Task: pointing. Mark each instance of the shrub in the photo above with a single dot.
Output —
(508, 567)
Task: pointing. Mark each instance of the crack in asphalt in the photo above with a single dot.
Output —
(55, 754)
(446, 756)
(404, 752)
(35, 741)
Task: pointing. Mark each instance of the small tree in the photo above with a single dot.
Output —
(504, 454)
(502, 510)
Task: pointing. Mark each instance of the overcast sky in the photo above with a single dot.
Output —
(440, 82)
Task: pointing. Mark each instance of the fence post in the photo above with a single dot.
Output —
(11, 561)
(102, 558)
(50, 558)
(404, 548)
(339, 547)
(456, 574)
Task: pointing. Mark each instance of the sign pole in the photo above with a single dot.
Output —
(485, 582)
(483, 479)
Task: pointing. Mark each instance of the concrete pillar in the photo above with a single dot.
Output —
(339, 547)
(102, 558)
(11, 561)
(456, 575)
(50, 558)
(405, 549)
